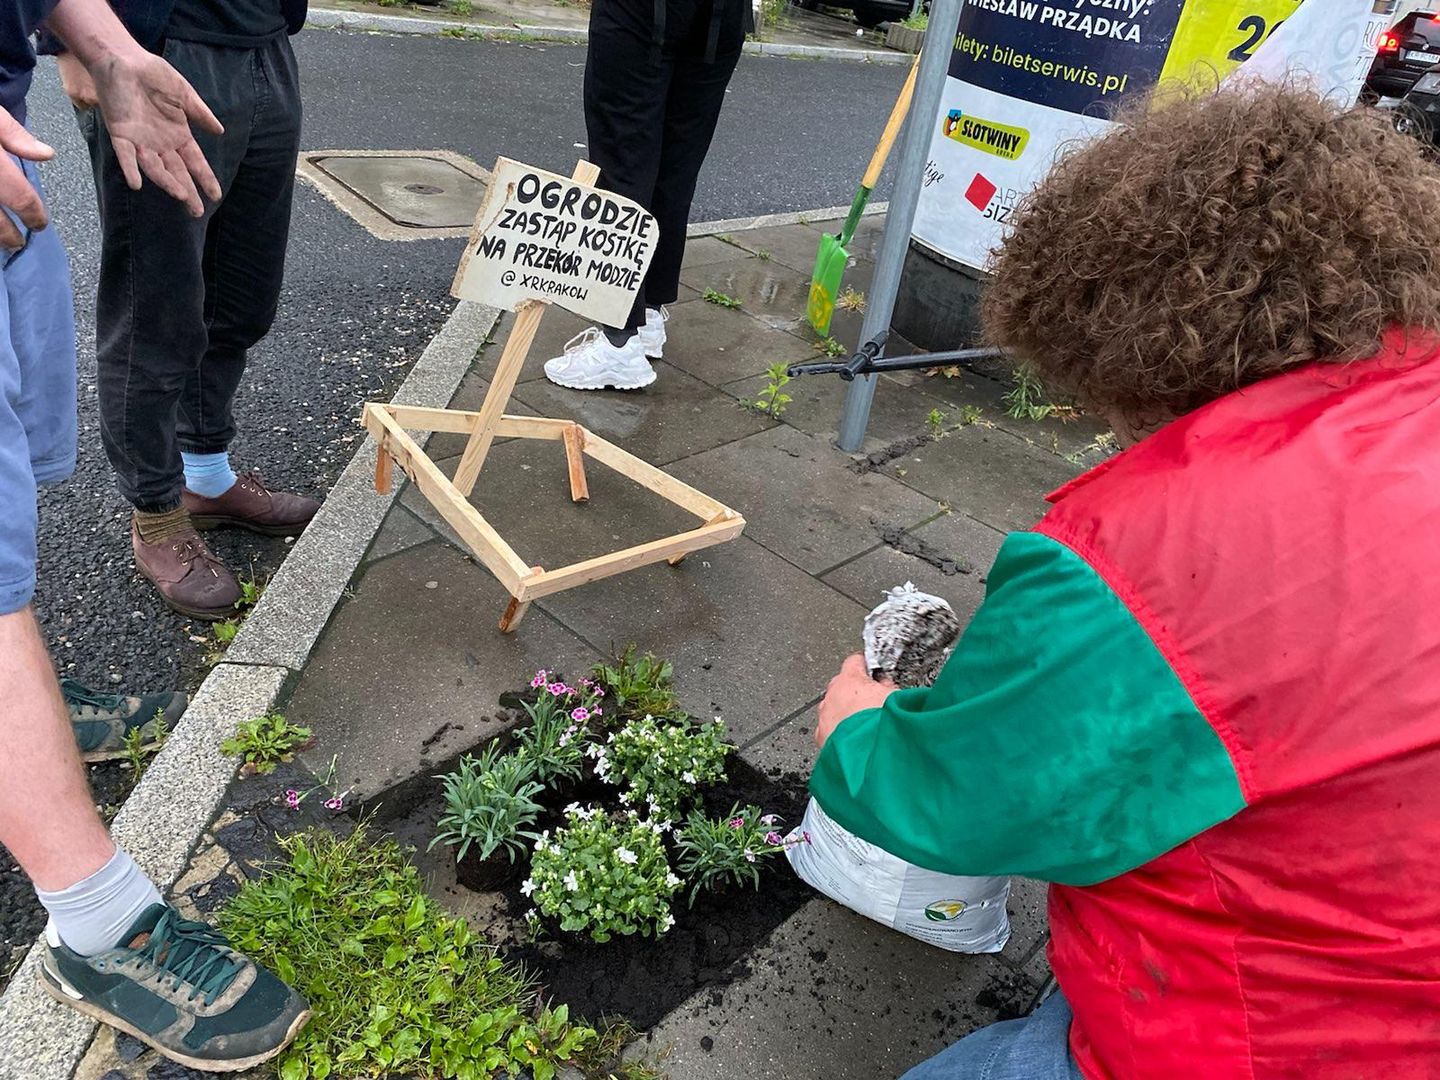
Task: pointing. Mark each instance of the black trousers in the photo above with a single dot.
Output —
(182, 299)
(650, 112)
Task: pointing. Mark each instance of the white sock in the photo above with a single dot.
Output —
(94, 914)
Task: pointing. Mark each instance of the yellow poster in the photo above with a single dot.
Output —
(1217, 36)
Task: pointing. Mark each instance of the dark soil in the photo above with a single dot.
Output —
(21, 916)
(638, 978)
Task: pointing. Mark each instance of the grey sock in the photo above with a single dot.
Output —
(93, 914)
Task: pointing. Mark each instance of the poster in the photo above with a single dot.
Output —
(1028, 77)
(542, 236)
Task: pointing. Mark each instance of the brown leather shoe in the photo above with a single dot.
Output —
(190, 578)
(249, 504)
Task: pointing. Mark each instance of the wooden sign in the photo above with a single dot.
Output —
(543, 237)
(592, 287)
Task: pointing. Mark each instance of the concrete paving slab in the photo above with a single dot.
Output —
(772, 293)
(990, 475)
(675, 417)
(897, 412)
(794, 246)
(719, 345)
(400, 531)
(801, 498)
(752, 637)
(411, 669)
(954, 541)
(834, 996)
(866, 241)
(968, 389)
(706, 250)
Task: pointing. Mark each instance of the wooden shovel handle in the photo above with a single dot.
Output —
(892, 127)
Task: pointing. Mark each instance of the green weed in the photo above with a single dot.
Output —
(463, 8)
(764, 256)
(1026, 401)
(851, 300)
(637, 685)
(935, 422)
(396, 986)
(970, 414)
(773, 399)
(718, 298)
(918, 20)
(265, 742)
(832, 348)
(137, 754)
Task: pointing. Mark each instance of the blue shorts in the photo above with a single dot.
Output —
(37, 397)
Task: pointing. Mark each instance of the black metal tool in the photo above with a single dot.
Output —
(868, 361)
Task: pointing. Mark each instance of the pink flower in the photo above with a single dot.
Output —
(336, 803)
(580, 715)
(540, 679)
(597, 711)
(292, 798)
(769, 819)
(736, 823)
(558, 689)
(774, 839)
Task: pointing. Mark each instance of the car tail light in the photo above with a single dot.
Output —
(1388, 43)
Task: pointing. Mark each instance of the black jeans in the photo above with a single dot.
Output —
(650, 118)
(181, 299)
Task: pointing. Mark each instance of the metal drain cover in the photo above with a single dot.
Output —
(415, 192)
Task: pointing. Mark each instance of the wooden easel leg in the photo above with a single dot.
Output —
(502, 385)
(384, 464)
(514, 612)
(677, 560)
(575, 459)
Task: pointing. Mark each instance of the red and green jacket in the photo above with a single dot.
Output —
(1202, 699)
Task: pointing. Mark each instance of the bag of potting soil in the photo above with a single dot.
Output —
(961, 914)
(907, 640)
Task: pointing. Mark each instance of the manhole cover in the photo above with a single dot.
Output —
(416, 192)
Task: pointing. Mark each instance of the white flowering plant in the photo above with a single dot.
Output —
(604, 875)
(661, 764)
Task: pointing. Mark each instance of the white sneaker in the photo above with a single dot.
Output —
(590, 362)
(652, 334)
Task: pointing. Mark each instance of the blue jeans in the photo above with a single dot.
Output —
(37, 397)
(1036, 1047)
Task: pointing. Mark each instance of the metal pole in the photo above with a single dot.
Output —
(909, 174)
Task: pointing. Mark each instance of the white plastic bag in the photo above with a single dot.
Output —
(907, 638)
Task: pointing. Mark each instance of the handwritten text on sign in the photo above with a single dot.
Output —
(541, 236)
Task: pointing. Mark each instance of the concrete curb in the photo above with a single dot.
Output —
(173, 805)
(331, 19)
(772, 221)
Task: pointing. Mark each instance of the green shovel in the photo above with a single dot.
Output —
(832, 258)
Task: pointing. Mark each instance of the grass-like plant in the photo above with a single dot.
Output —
(713, 853)
(396, 986)
(266, 741)
(603, 876)
(489, 804)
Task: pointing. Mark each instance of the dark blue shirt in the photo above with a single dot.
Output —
(18, 20)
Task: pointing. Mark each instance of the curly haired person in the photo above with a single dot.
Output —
(1202, 696)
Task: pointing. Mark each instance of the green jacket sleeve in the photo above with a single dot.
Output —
(1057, 742)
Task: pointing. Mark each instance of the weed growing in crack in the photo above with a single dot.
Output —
(935, 423)
(832, 348)
(719, 299)
(773, 400)
(266, 741)
(137, 752)
(1026, 401)
(764, 256)
(851, 300)
(970, 414)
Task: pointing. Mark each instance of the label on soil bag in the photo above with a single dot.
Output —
(542, 236)
(961, 914)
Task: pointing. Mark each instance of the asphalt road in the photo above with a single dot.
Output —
(357, 311)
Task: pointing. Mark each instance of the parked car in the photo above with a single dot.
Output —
(1404, 53)
(868, 13)
(1418, 113)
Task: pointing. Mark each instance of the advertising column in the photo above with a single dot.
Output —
(1029, 76)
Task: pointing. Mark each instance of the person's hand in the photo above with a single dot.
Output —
(148, 108)
(78, 85)
(17, 194)
(848, 693)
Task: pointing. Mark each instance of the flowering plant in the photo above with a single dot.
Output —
(489, 802)
(715, 852)
(603, 875)
(555, 740)
(662, 764)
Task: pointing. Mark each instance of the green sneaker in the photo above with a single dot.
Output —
(178, 986)
(101, 721)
